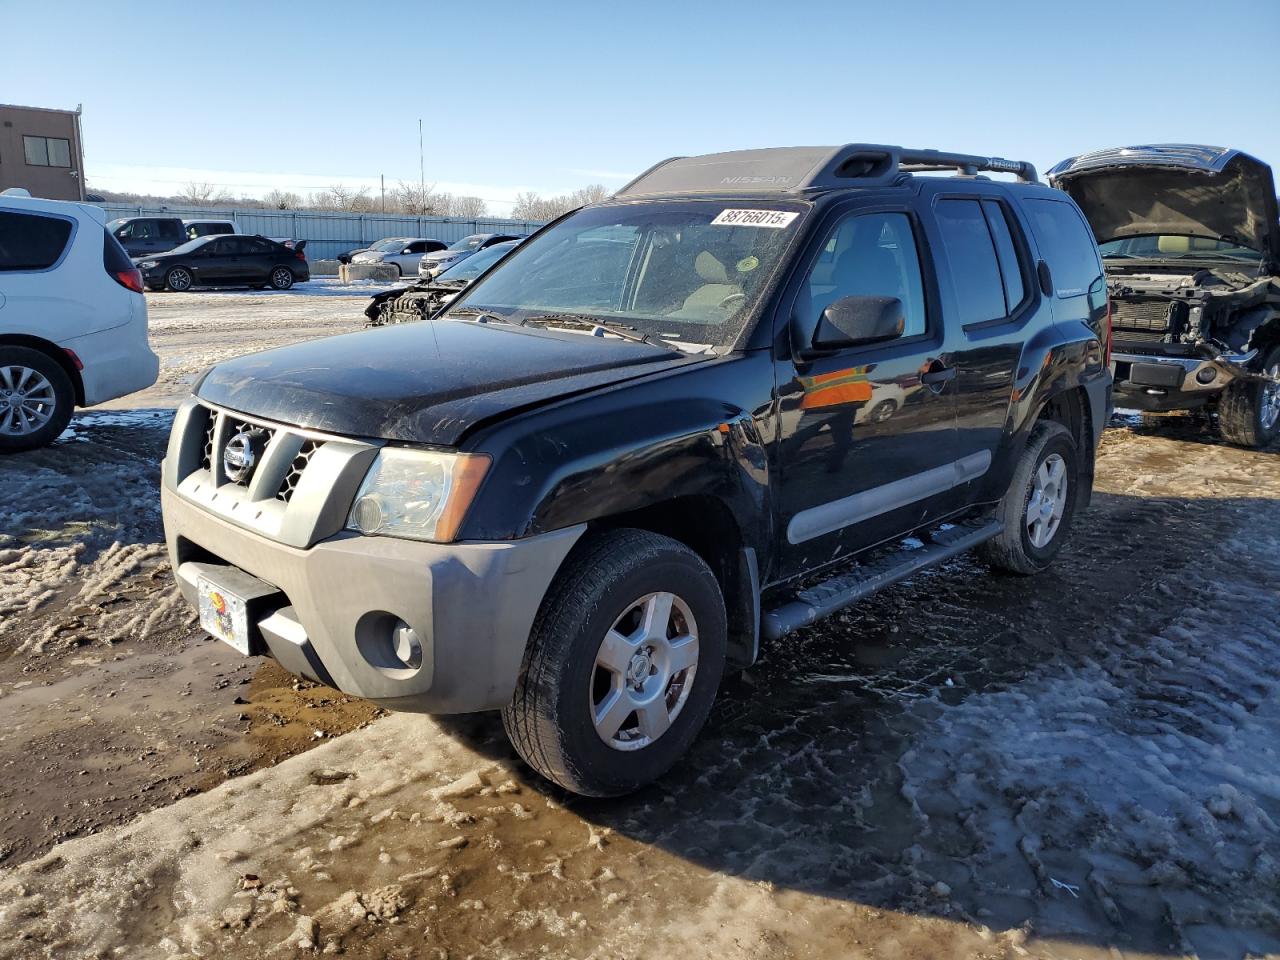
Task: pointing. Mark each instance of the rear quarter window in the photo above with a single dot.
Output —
(1066, 244)
(30, 241)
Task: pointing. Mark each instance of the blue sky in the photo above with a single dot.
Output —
(551, 96)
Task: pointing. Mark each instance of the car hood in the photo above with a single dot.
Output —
(425, 382)
(447, 254)
(1180, 189)
(366, 256)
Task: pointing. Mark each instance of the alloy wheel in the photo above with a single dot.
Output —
(1269, 410)
(644, 671)
(1048, 500)
(281, 278)
(27, 401)
(178, 279)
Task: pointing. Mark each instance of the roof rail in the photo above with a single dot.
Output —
(797, 170)
(918, 161)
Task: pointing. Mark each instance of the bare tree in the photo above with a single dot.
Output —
(282, 200)
(417, 200)
(532, 206)
(203, 195)
(470, 208)
(345, 199)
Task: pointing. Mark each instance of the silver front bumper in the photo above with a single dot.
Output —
(1191, 375)
(472, 604)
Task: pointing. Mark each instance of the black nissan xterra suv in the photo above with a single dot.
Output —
(652, 437)
(1190, 238)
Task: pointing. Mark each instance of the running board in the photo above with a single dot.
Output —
(823, 599)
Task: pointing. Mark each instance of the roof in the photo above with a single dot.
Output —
(791, 171)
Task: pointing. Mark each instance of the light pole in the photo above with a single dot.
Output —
(422, 176)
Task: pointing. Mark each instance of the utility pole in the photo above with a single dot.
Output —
(422, 175)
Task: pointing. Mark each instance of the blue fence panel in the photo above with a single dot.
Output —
(329, 234)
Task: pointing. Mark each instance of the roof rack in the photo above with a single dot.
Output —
(798, 170)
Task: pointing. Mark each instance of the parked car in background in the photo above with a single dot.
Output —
(194, 229)
(226, 261)
(144, 235)
(424, 298)
(586, 491)
(1191, 244)
(212, 228)
(403, 252)
(73, 321)
(433, 264)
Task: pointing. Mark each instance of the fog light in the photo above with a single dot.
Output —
(1207, 375)
(392, 647)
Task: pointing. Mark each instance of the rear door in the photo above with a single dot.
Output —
(985, 264)
(258, 258)
(866, 445)
(34, 297)
(170, 234)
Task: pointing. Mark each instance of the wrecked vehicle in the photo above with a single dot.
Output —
(423, 299)
(647, 442)
(1191, 244)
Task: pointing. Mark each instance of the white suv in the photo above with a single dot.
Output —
(73, 321)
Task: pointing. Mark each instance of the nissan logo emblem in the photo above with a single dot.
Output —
(241, 455)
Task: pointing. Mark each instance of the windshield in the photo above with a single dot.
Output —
(390, 243)
(473, 266)
(691, 271)
(1177, 247)
(468, 243)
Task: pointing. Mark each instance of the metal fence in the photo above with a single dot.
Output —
(329, 234)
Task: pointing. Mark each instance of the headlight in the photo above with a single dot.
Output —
(147, 264)
(417, 494)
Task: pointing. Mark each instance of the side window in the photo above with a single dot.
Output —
(418, 246)
(143, 230)
(1011, 266)
(1067, 244)
(872, 254)
(170, 229)
(971, 253)
(31, 242)
(254, 245)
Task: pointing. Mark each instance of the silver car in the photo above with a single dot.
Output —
(436, 263)
(404, 252)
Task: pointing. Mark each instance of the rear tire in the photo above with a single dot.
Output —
(1039, 504)
(36, 399)
(281, 278)
(1249, 411)
(622, 665)
(179, 279)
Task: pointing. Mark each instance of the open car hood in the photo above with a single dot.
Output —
(1179, 189)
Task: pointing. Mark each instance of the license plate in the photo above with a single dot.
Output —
(223, 614)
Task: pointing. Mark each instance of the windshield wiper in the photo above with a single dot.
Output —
(617, 329)
(482, 316)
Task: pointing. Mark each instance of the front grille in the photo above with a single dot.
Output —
(221, 427)
(290, 482)
(1141, 314)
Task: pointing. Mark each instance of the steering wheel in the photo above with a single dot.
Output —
(731, 298)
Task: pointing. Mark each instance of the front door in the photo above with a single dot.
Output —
(867, 435)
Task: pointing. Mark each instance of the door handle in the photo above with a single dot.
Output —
(937, 376)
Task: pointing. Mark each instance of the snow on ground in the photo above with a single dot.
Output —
(72, 537)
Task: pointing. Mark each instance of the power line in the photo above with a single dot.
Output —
(260, 186)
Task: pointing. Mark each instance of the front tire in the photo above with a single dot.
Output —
(1249, 411)
(622, 665)
(1039, 504)
(281, 278)
(36, 399)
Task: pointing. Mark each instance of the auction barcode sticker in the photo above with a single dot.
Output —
(777, 219)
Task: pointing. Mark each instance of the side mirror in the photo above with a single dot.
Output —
(406, 250)
(851, 321)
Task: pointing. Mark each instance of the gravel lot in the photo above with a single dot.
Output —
(1084, 764)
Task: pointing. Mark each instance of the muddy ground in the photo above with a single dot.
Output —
(1082, 764)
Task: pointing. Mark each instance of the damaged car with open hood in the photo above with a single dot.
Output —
(1191, 244)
